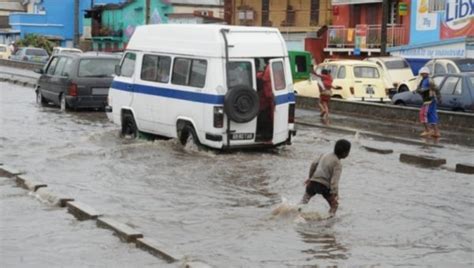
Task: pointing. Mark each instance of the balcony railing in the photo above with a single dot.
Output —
(364, 36)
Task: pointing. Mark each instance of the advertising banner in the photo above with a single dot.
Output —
(458, 19)
(425, 20)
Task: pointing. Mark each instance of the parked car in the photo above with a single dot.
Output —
(396, 70)
(4, 52)
(76, 80)
(457, 93)
(359, 80)
(439, 67)
(62, 50)
(31, 54)
(300, 64)
(308, 88)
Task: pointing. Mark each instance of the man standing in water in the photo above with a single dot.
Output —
(324, 176)
(428, 111)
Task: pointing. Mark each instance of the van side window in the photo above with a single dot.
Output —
(189, 72)
(279, 75)
(128, 65)
(52, 66)
(156, 68)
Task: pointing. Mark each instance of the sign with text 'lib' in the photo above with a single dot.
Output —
(458, 19)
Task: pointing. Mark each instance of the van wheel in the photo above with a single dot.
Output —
(39, 98)
(188, 135)
(241, 104)
(63, 104)
(129, 127)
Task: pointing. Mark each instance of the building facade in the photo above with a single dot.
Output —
(112, 25)
(440, 29)
(295, 19)
(8, 35)
(53, 19)
(357, 25)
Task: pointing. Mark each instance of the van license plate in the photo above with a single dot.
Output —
(241, 136)
(370, 90)
(100, 91)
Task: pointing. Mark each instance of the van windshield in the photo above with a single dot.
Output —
(240, 73)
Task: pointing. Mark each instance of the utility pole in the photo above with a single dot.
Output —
(383, 31)
(147, 12)
(76, 23)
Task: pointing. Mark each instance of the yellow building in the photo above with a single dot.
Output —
(287, 15)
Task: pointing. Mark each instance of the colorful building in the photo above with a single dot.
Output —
(357, 25)
(112, 25)
(297, 20)
(54, 19)
(439, 29)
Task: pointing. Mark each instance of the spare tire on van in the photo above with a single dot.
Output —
(241, 104)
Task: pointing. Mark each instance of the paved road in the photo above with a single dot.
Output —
(217, 208)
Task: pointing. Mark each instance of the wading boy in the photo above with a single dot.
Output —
(324, 175)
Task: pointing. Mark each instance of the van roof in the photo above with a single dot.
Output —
(351, 62)
(207, 40)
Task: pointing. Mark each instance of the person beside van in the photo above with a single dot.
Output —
(428, 112)
(324, 176)
(266, 98)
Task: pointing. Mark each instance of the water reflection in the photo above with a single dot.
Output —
(321, 240)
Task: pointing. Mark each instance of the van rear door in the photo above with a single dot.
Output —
(280, 91)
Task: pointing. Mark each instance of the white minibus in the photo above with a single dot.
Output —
(220, 86)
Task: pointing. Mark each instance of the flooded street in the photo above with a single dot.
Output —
(217, 207)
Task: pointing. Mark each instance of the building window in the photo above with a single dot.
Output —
(437, 5)
(290, 17)
(314, 13)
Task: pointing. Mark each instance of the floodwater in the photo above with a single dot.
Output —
(220, 208)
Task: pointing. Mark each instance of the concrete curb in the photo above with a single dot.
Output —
(9, 172)
(123, 231)
(53, 198)
(465, 168)
(369, 134)
(422, 160)
(82, 211)
(377, 150)
(156, 249)
(29, 183)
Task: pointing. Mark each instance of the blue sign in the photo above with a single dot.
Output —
(356, 51)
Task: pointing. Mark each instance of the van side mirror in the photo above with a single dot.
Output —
(117, 70)
(38, 71)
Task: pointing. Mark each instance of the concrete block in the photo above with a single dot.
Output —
(465, 168)
(422, 160)
(7, 171)
(196, 264)
(53, 198)
(29, 183)
(377, 150)
(82, 211)
(158, 250)
(123, 231)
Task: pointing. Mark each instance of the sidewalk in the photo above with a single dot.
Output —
(20, 76)
(383, 128)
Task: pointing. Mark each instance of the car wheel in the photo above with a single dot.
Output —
(241, 104)
(188, 135)
(63, 104)
(403, 89)
(40, 99)
(129, 127)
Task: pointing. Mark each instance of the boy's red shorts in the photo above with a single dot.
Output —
(325, 98)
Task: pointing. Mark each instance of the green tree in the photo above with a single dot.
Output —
(33, 40)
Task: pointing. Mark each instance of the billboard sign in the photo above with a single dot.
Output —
(458, 19)
(353, 2)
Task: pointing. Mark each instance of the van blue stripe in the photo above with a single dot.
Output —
(186, 95)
